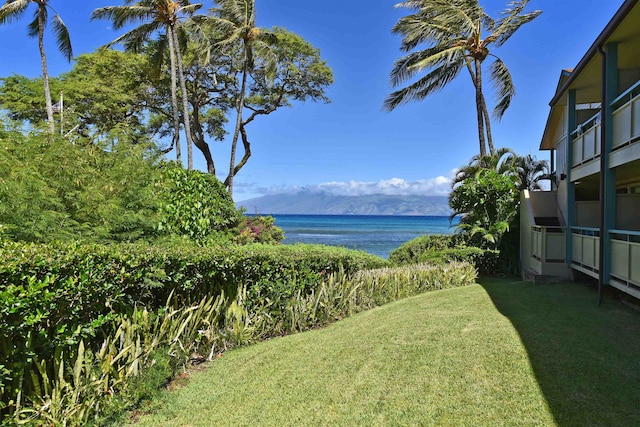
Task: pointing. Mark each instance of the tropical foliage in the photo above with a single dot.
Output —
(78, 322)
(107, 98)
(456, 35)
(159, 14)
(14, 9)
(486, 204)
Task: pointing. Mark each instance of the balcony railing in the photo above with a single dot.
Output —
(625, 256)
(626, 117)
(626, 128)
(548, 243)
(586, 141)
(586, 248)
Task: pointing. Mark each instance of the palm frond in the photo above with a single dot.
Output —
(33, 28)
(505, 27)
(238, 11)
(417, 30)
(160, 47)
(432, 82)
(408, 66)
(62, 37)
(190, 9)
(134, 40)
(124, 15)
(13, 11)
(503, 85)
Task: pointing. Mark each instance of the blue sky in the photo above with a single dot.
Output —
(351, 146)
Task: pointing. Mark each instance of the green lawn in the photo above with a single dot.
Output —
(499, 353)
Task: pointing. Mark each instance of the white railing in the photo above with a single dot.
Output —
(586, 141)
(626, 116)
(625, 256)
(548, 243)
(586, 247)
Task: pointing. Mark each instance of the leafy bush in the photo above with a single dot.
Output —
(195, 205)
(411, 252)
(486, 261)
(487, 202)
(54, 190)
(258, 229)
(441, 249)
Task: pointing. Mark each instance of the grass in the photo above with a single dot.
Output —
(500, 353)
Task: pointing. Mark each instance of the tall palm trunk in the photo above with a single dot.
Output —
(487, 123)
(477, 82)
(45, 74)
(174, 96)
(239, 107)
(185, 100)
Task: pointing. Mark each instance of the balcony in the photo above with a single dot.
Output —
(626, 127)
(585, 139)
(585, 256)
(548, 244)
(625, 261)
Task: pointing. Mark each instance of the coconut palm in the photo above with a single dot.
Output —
(235, 21)
(13, 10)
(503, 161)
(458, 34)
(531, 171)
(157, 15)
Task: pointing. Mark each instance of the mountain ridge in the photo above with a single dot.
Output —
(322, 203)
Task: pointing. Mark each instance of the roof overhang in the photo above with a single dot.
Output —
(586, 77)
(624, 29)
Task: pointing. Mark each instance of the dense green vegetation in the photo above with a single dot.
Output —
(80, 322)
(442, 249)
(178, 70)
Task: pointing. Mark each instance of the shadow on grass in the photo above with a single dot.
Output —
(586, 358)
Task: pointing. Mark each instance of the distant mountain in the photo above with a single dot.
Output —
(321, 203)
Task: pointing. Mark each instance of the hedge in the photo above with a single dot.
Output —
(438, 249)
(53, 296)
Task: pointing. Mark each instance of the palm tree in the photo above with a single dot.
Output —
(531, 171)
(13, 10)
(235, 20)
(458, 35)
(503, 161)
(158, 14)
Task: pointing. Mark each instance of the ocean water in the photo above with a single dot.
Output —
(378, 235)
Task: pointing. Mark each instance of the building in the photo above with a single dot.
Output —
(590, 220)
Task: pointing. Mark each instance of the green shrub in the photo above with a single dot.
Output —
(195, 205)
(80, 324)
(412, 251)
(390, 284)
(258, 229)
(440, 249)
(54, 190)
(486, 261)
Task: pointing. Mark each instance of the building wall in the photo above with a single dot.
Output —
(627, 212)
(543, 204)
(627, 209)
(562, 201)
(588, 214)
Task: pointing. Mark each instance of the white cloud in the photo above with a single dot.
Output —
(438, 186)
